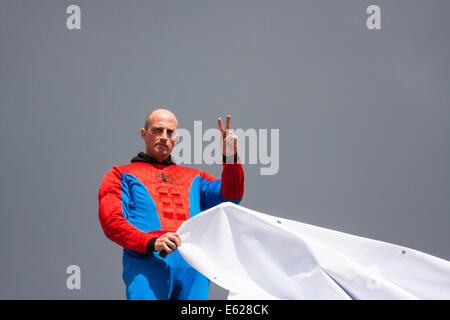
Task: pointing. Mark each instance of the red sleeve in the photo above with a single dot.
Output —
(110, 214)
(232, 187)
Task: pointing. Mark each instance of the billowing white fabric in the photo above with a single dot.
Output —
(258, 256)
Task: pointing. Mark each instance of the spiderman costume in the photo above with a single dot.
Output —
(145, 199)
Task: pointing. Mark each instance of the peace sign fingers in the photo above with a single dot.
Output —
(229, 139)
(227, 126)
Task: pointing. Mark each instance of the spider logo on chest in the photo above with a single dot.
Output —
(165, 177)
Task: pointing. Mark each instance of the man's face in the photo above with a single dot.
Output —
(160, 136)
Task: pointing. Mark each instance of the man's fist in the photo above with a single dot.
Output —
(168, 242)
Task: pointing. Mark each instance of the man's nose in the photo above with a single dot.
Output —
(164, 134)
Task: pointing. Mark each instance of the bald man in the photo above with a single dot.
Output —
(142, 204)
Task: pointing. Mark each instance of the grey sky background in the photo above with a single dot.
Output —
(364, 119)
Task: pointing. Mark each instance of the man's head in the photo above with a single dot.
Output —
(159, 133)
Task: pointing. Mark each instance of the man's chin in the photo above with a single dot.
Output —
(161, 153)
(161, 150)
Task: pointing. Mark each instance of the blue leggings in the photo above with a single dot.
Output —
(150, 277)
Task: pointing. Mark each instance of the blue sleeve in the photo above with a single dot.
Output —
(210, 194)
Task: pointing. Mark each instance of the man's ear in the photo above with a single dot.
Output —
(175, 138)
(143, 133)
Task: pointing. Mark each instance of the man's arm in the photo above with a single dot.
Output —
(115, 226)
(232, 187)
(229, 188)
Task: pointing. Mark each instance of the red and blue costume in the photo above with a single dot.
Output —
(145, 199)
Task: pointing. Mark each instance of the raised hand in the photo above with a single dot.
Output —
(229, 139)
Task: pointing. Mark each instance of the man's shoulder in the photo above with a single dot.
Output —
(139, 168)
(128, 166)
(124, 168)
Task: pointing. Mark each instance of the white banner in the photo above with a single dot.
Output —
(258, 256)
